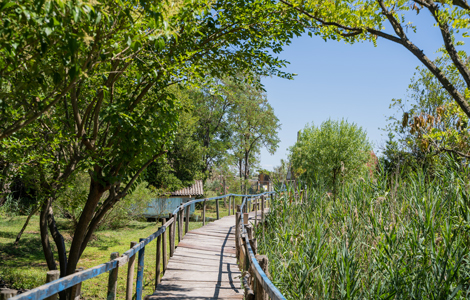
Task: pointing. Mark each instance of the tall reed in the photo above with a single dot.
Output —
(408, 241)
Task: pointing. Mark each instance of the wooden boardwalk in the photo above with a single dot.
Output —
(204, 265)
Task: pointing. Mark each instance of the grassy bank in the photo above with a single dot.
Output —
(376, 240)
(23, 267)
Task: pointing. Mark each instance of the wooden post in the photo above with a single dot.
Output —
(112, 280)
(204, 213)
(245, 218)
(164, 245)
(77, 289)
(186, 225)
(249, 295)
(180, 222)
(130, 274)
(242, 262)
(262, 208)
(8, 293)
(172, 234)
(158, 259)
(256, 212)
(233, 206)
(249, 232)
(217, 208)
(229, 204)
(237, 234)
(260, 294)
(51, 276)
(225, 191)
(140, 273)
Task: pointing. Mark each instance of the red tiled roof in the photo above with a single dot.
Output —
(195, 190)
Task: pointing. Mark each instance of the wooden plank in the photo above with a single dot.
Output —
(203, 266)
(207, 248)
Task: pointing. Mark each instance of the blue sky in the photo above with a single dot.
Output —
(336, 80)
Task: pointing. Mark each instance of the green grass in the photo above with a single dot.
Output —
(23, 267)
(376, 240)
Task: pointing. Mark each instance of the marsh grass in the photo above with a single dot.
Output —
(408, 239)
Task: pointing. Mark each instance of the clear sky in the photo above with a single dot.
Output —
(335, 80)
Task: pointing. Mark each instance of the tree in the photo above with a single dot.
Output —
(213, 106)
(255, 126)
(182, 163)
(351, 21)
(116, 114)
(428, 122)
(332, 153)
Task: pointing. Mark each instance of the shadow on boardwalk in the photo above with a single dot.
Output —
(204, 265)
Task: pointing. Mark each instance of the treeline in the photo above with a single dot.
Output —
(96, 93)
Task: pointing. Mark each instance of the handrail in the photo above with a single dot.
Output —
(69, 281)
(179, 208)
(261, 276)
(64, 283)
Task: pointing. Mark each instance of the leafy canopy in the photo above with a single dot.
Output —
(334, 152)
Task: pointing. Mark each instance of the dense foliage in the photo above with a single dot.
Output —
(332, 153)
(375, 241)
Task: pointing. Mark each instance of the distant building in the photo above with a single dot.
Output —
(161, 207)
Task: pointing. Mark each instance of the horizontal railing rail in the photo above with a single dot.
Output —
(73, 280)
(253, 264)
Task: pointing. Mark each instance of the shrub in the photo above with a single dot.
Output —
(334, 153)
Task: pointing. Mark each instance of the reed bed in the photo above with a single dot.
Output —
(377, 240)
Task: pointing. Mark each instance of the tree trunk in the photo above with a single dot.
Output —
(18, 237)
(59, 241)
(46, 246)
(94, 196)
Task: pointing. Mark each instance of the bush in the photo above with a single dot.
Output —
(73, 198)
(333, 153)
(131, 207)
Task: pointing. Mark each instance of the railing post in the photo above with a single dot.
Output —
(130, 274)
(7, 294)
(243, 254)
(245, 218)
(164, 245)
(77, 289)
(217, 208)
(180, 222)
(186, 225)
(256, 213)
(249, 295)
(249, 232)
(51, 276)
(229, 204)
(262, 208)
(204, 213)
(233, 206)
(237, 234)
(140, 273)
(260, 293)
(112, 280)
(158, 259)
(172, 234)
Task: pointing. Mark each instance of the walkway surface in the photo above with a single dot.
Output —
(204, 265)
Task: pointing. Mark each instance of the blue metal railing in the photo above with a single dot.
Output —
(69, 281)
